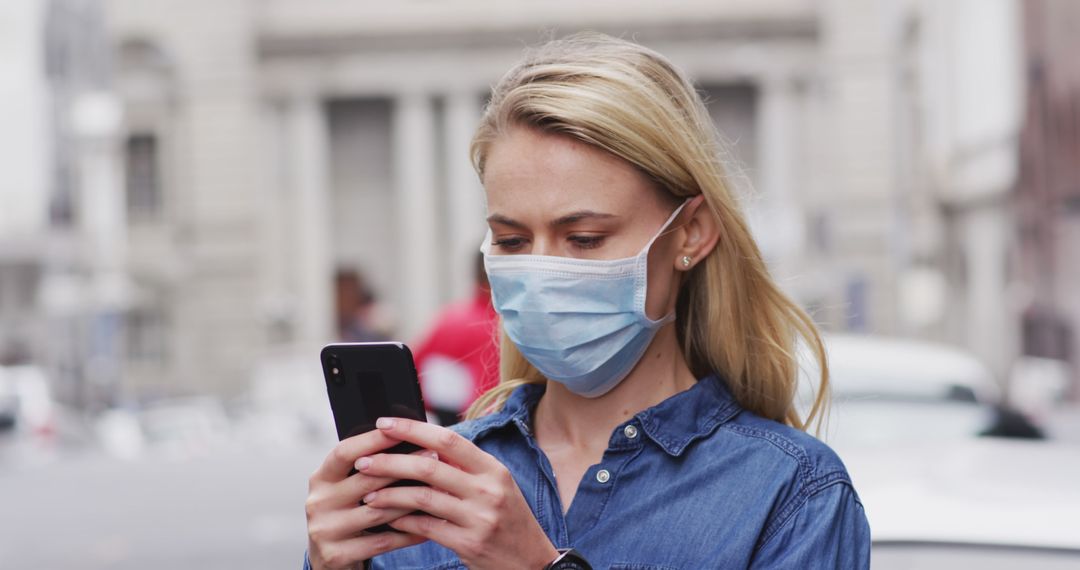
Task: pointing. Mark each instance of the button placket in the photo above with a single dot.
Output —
(600, 482)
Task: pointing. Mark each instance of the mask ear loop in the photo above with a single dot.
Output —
(667, 228)
(643, 263)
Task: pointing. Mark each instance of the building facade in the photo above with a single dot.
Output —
(264, 145)
(63, 276)
(1047, 197)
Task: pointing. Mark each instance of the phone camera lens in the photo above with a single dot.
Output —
(335, 368)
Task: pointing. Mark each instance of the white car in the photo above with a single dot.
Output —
(887, 391)
(26, 404)
(180, 428)
(906, 419)
(982, 503)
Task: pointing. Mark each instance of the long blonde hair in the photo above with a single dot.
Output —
(731, 318)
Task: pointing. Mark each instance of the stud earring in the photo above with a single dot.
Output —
(686, 261)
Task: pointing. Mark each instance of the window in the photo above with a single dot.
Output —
(142, 177)
(147, 335)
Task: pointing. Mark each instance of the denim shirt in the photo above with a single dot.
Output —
(693, 482)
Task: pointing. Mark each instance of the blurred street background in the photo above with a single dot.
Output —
(195, 195)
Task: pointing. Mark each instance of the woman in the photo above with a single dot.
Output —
(645, 415)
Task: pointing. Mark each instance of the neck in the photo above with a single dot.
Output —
(564, 418)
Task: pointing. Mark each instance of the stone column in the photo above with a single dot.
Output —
(103, 231)
(278, 312)
(857, 78)
(308, 140)
(778, 212)
(986, 233)
(415, 194)
(465, 198)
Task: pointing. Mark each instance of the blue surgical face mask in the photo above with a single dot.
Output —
(580, 322)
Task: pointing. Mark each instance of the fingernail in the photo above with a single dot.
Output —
(369, 497)
(384, 423)
(363, 463)
(430, 454)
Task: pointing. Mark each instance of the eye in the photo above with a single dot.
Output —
(586, 242)
(509, 244)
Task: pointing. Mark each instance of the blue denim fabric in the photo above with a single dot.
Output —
(703, 484)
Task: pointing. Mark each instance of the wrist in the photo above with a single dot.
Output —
(545, 557)
(568, 559)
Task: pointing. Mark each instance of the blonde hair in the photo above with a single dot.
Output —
(731, 318)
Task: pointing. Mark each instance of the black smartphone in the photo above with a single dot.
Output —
(366, 381)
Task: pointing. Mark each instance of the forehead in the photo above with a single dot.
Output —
(530, 171)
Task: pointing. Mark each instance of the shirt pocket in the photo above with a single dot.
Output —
(641, 567)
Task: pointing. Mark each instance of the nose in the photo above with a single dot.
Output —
(543, 245)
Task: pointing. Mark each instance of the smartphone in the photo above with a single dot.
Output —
(366, 381)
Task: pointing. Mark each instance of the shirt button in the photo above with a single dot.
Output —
(603, 475)
(630, 431)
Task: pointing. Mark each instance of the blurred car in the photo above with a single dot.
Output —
(9, 407)
(119, 433)
(26, 403)
(185, 427)
(909, 419)
(887, 390)
(980, 503)
(1063, 423)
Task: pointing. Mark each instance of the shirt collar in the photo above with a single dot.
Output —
(689, 415)
(517, 409)
(672, 424)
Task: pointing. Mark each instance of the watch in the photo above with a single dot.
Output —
(568, 559)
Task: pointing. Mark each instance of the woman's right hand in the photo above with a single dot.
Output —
(336, 521)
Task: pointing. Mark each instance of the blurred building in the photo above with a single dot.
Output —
(1047, 197)
(272, 144)
(267, 145)
(63, 281)
(960, 165)
(24, 214)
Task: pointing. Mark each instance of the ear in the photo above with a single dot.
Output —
(700, 233)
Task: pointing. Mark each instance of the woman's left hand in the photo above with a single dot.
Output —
(471, 503)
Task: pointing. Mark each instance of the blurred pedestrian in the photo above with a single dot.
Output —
(358, 313)
(458, 357)
(645, 415)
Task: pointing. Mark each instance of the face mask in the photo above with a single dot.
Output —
(580, 322)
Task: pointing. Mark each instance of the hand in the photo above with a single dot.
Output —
(335, 519)
(472, 504)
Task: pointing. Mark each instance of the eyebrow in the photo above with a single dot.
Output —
(566, 220)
